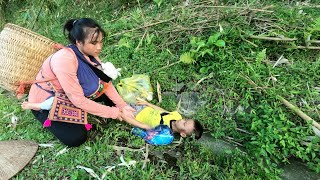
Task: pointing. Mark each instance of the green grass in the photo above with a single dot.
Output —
(275, 132)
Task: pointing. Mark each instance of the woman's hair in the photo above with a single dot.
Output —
(78, 29)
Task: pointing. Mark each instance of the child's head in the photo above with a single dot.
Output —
(188, 126)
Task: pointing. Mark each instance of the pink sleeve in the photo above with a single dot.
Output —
(65, 67)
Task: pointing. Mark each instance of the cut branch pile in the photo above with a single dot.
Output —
(186, 20)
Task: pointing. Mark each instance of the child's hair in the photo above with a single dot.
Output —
(198, 129)
(77, 29)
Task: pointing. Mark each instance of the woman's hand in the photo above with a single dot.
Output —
(129, 108)
(126, 113)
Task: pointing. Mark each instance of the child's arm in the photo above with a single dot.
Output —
(136, 123)
(143, 102)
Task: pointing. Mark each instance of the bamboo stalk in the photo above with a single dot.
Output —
(294, 108)
(272, 38)
(314, 41)
(303, 47)
(299, 112)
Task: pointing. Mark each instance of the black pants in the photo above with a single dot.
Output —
(69, 134)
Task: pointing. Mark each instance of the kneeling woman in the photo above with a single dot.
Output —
(75, 71)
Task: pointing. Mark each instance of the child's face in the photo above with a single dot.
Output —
(185, 126)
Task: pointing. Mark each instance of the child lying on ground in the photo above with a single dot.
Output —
(148, 114)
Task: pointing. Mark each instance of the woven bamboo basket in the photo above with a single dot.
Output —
(22, 53)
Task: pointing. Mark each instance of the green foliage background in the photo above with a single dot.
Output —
(272, 133)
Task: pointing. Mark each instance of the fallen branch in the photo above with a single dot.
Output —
(272, 38)
(204, 78)
(299, 112)
(231, 7)
(166, 66)
(119, 148)
(244, 131)
(249, 42)
(230, 139)
(292, 107)
(141, 27)
(140, 42)
(190, 29)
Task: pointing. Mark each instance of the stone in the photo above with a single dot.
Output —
(298, 170)
(190, 102)
(217, 146)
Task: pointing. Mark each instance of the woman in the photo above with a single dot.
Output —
(76, 71)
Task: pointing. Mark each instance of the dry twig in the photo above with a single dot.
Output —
(232, 7)
(146, 156)
(119, 148)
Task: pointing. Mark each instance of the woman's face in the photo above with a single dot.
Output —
(92, 45)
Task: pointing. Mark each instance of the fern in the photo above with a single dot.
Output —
(261, 56)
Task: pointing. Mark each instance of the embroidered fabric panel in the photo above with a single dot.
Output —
(64, 111)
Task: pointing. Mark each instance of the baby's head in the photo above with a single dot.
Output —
(186, 127)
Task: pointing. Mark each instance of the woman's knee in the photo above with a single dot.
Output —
(74, 140)
(72, 135)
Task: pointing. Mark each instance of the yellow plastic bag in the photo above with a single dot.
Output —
(137, 86)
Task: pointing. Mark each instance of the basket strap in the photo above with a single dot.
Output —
(58, 46)
(22, 85)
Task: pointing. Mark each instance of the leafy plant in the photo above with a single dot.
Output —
(200, 48)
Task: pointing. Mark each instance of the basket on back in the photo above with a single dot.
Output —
(22, 53)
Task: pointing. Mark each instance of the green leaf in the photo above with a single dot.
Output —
(204, 70)
(194, 41)
(206, 51)
(213, 38)
(220, 43)
(123, 43)
(200, 44)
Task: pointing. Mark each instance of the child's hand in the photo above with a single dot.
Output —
(141, 102)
